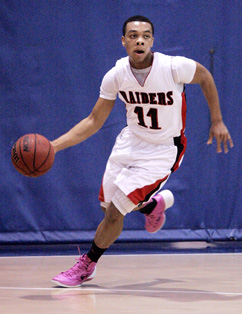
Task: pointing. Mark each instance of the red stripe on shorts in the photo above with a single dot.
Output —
(139, 195)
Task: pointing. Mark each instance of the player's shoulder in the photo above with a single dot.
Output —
(168, 59)
(161, 57)
(120, 68)
(122, 63)
(116, 72)
(119, 65)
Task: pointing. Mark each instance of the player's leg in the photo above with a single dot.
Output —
(142, 183)
(110, 228)
(150, 204)
(107, 232)
(103, 207)
(154, 210)
(112, 225)
(123, 188)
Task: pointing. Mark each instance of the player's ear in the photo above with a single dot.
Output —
(123, 41)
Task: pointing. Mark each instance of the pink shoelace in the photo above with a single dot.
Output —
(81, 264)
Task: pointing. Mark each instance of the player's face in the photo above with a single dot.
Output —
(138, 41)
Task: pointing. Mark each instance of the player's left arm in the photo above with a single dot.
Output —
(218, 129)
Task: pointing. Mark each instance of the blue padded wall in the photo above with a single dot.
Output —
(53, 55)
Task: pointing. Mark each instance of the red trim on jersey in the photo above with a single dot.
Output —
(101, 194)
(183, 143)
(139, 195)
(181, 151)
(184, 112)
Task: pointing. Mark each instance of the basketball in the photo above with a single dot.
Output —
(32, 155)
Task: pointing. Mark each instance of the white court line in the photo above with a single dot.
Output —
(125, 291)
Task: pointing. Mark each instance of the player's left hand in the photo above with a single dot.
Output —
(219, 130)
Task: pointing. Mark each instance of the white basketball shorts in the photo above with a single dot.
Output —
(139, 168)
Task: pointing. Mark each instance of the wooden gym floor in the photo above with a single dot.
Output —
(139, 283)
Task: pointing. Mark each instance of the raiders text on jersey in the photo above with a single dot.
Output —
(148, 98)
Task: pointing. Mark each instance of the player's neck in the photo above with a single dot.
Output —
(145, 64)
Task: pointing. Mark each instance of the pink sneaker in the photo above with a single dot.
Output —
(157, 218)
(83, 270)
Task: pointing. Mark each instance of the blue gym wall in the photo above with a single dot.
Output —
(53, 55)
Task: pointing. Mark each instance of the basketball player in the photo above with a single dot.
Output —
(152, 145)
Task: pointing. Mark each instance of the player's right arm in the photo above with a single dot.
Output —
(218, 129)
(86, 127)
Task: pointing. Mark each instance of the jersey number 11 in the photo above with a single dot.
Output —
(152, 113)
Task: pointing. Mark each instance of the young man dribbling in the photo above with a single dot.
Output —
(150, 147)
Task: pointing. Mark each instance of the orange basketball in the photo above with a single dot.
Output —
(33, 155)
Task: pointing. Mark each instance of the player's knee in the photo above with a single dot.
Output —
(104, 206)
(103, 209)
(112, 214)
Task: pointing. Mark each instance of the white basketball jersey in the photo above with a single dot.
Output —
(155, 111)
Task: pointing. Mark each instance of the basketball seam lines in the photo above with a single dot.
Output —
(35, 144)
(30, 169)
(37, 169)
(20, 150)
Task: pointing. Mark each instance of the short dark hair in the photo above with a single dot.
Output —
(137, 18)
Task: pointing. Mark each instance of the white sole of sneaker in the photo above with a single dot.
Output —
(77, 286)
